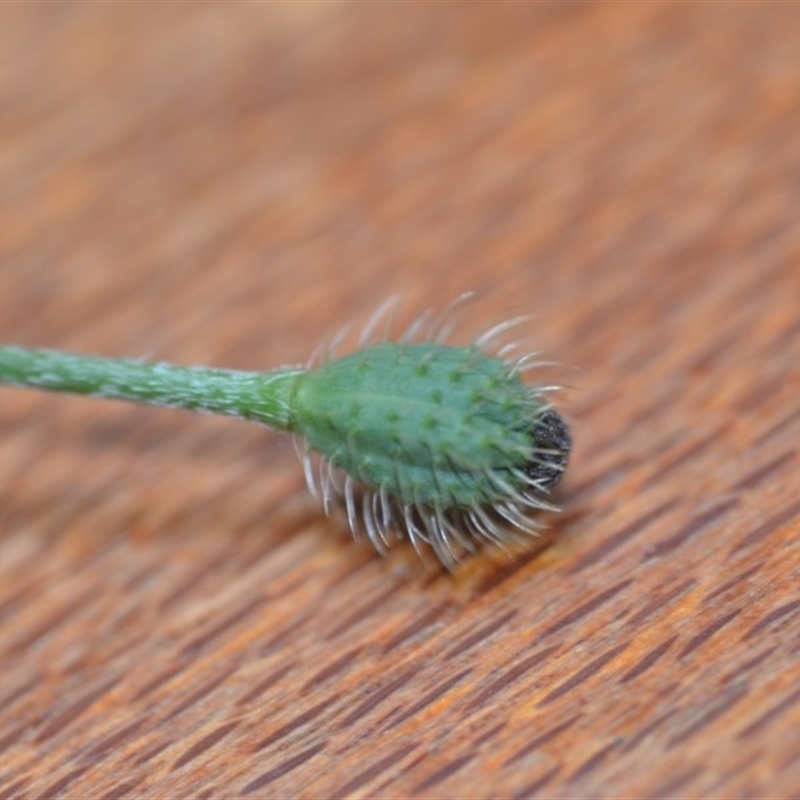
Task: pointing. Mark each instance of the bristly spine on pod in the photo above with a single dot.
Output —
(443, 445)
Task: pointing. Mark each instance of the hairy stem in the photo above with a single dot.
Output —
(261, 396)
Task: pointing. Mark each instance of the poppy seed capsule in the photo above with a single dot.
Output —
(444, 446)
(432, 426)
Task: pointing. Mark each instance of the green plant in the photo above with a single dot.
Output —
(441, 444)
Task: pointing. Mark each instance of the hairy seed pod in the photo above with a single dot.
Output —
(442, 445)
(434, 425)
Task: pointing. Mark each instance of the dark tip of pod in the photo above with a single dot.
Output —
(553, 444)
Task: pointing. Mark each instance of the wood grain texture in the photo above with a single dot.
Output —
(225, 184)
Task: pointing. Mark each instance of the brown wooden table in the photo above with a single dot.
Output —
(225, 184)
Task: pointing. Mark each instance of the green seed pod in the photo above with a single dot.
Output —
(427, 423)
(442, 445)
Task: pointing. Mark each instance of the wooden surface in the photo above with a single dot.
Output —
(225, 184)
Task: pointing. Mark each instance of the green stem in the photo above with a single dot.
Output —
(261, 396)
